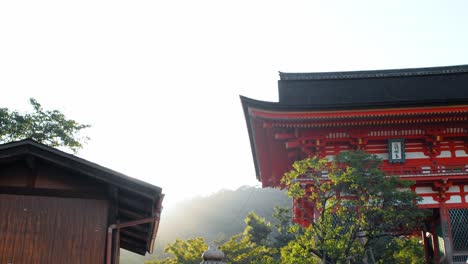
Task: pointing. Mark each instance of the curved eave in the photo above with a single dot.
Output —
(359, 113)
(275, 106)
(246, 103)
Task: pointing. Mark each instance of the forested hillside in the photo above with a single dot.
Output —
(215, 217)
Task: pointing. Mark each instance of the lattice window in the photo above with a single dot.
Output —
(460, 259)
(345, 223)
(459, 224)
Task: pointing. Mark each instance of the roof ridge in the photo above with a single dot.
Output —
(296, 76)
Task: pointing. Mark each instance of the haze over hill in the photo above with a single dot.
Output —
(215, 217)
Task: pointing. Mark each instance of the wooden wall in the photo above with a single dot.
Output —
(51, 215)
(36, 229)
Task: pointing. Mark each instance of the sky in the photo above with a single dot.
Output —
(159, 81)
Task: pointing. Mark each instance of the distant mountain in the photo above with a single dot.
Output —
(215, 217)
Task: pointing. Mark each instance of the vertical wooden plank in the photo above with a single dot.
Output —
(113, 219)
(40, 230)
(32, 165)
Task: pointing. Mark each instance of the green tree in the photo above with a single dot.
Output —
(49, 127)
(257, 228)
(183, 252)
(282, 224)
(402, 250)
(358, 205)
(299, 250)
(239, 249)
(251, 246)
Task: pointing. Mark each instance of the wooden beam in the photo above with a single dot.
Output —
(141, 228)
(133, 241)
(134, 234)
(132, 203)
(292, 144)
(131, 214)
(51, 193)
(282, 136)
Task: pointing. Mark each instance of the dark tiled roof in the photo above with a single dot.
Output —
(284, 76)
(437, 85)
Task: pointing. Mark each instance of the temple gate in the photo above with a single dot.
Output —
(416, 120)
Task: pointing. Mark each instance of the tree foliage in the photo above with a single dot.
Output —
(49, 127)
(282, 224)
(241, 249)
(358, 206)
(257, 228)
(249, 247)
(362, 216)
(400, 250)
(219, 216)
(183, 252)
(252, 245)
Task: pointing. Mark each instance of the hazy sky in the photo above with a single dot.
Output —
(159, 81)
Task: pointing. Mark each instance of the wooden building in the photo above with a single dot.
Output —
(58, 208)
(416, 120)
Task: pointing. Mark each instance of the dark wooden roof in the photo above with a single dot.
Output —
(288, 76)
(438, 85)
(417, 87)
(135, 199)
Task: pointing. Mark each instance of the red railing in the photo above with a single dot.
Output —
(412, 171)
(417, 171)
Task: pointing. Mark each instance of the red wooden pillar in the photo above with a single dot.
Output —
(446, 232)
(442, 187)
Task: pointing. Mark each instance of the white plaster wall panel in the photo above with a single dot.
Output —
(445, 154)
(383, 156)
(461, 153)
(454, 189)
(415, 155)
(428, 200)
(424, 190)
(454, 199)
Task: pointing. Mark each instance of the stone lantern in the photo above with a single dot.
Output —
(213, 256)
